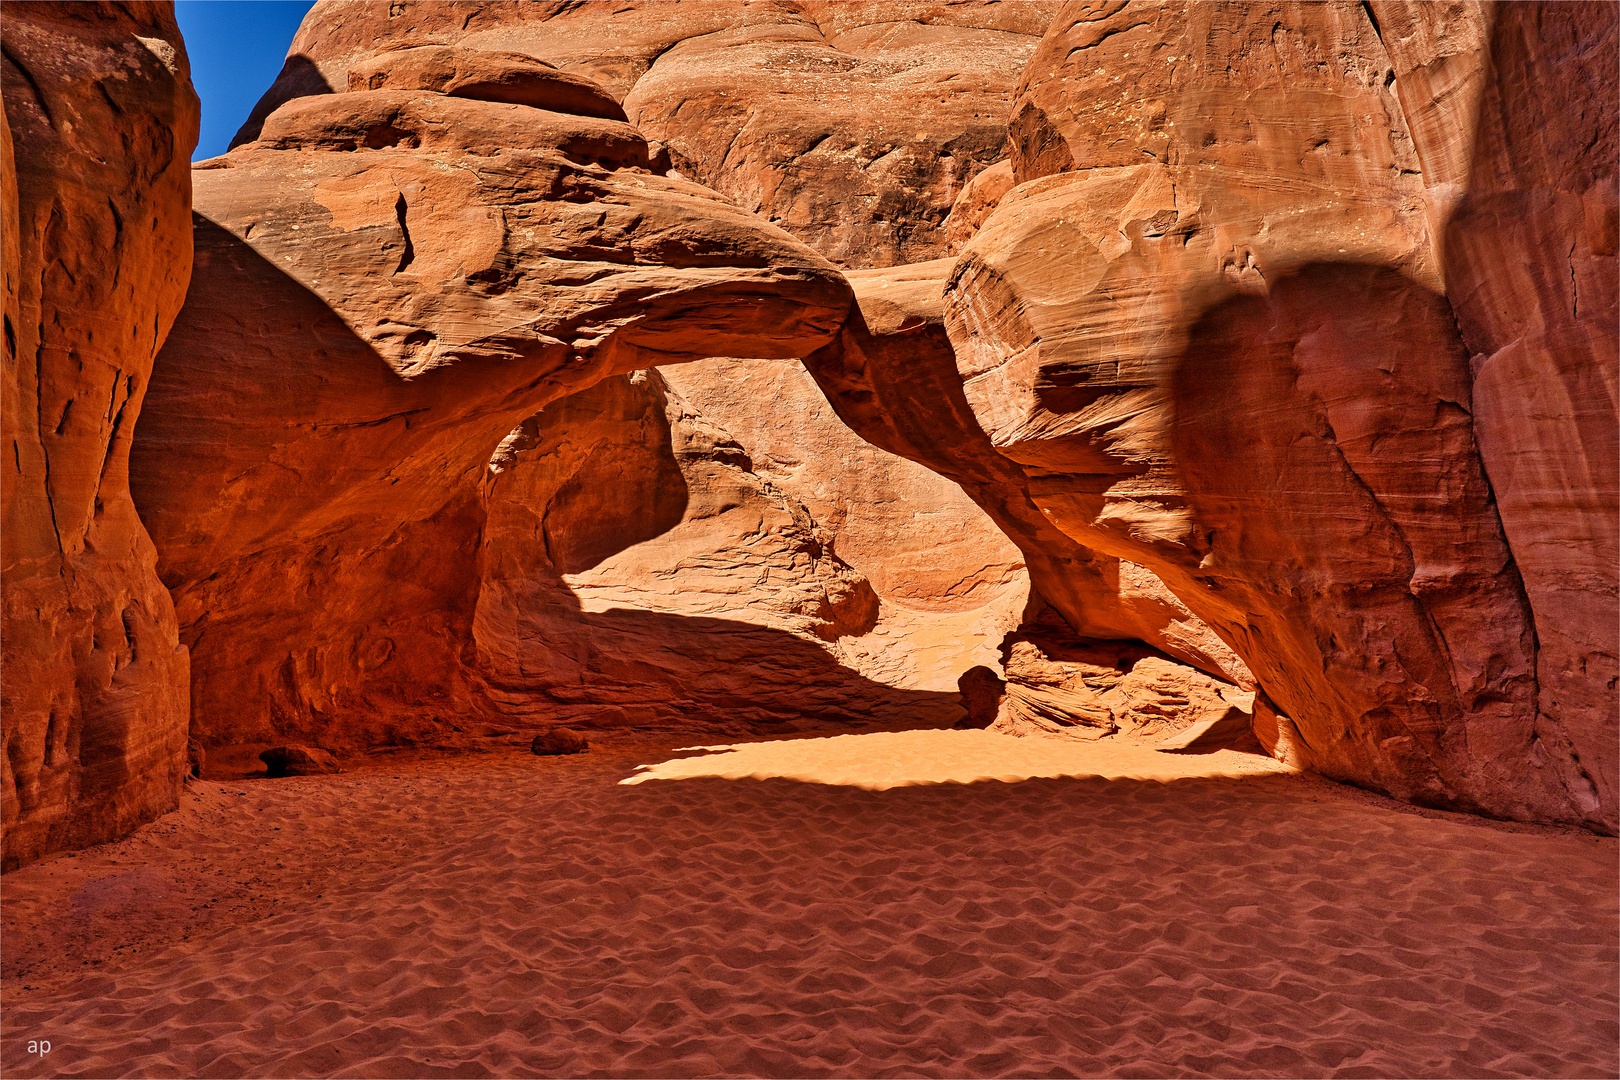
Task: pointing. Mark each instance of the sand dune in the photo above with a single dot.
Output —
(515, 916)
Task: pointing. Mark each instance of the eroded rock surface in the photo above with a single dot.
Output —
(1216, 327)
(892, 376)
(1531, 272)
(1279, 347)
(639, 570)
(949, 583)
(853, 125)
(100, 119)
(389, 281)
(1063, 685)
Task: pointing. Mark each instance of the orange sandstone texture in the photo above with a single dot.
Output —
(389, 282)
(99, 122)
(1271, 340)
(853, 125)
(1215, 329)
(1530, 269)
(625, 559)
(637, 570)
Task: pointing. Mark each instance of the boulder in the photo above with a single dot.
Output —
(559, 741)
(1075, 687)
(99, 121)
(298, 761)
(979, 197)
(982, 690)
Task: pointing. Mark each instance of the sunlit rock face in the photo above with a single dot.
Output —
(638, 569)
(1298, 306)
(99, 121)
(855, 126)
(1274, 340)
(389, 282)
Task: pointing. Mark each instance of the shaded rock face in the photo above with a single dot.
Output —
(99, 123)
(559, 741)
(388, 282)
(1299, 307)
(282, 761)
(1531, 271)
(853, 125)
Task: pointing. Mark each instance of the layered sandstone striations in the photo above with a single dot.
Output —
(855, 126)
(1216, 330)
(389, 282)
(99, 122)
(1058, 684)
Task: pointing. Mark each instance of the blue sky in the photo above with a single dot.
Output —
(236, 49)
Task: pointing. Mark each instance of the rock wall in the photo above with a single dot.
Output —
(99, 123)
(948, 582)
(854, 126)
(1308, 309)
(1529, 259)
(1273, 339)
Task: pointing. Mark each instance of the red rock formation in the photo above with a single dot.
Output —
(100, 121)
(1281, 340)
(853, 125)
(1531, 271)
(1211, 333)
(1061, 685)
(981, 195)
(388, 282)
(637, 570)
(892, 376)
(948, 581)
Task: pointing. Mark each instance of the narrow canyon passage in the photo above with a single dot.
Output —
(515, 916)
(1046, 538)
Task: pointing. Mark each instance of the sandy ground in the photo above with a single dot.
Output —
(507, 915)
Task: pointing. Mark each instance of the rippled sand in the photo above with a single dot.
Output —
(516, 916)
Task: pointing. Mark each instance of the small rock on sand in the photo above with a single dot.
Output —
(298, 761)
(559, 741)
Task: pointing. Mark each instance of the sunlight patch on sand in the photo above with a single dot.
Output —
(888, 759)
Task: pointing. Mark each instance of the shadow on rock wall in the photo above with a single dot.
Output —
(1324, 438)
